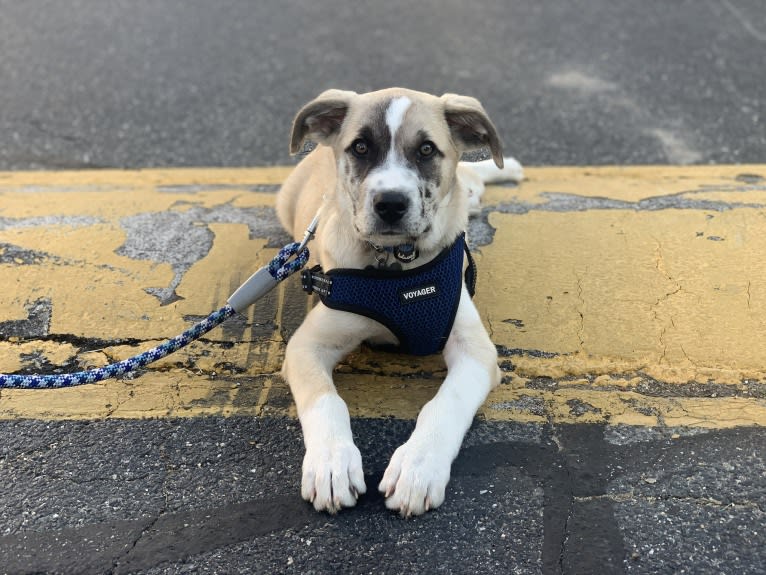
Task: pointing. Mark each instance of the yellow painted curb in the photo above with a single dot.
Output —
(620, 295)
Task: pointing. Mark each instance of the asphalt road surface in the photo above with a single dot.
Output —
(124, 84)
(134, 84)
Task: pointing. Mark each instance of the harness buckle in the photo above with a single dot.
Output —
(314, 281)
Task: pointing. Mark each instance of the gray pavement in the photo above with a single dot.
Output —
(218, 496)
(119, 83)
(89, 84)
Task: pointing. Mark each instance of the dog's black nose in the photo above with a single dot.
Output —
(390, 206)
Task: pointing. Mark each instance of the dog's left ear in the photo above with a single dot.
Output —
(320, 119)
(470, 125)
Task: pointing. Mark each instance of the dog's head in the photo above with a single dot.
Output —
(396, 152)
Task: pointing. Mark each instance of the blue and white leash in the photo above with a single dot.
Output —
(257, 285)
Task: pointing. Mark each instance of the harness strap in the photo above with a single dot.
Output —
(314, 280)
(470, 272)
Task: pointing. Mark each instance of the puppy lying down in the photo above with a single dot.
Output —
(395, 201)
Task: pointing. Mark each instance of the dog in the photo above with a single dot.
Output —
(394, 197)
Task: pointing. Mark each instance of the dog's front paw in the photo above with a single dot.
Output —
(416, 478)
(333, 476)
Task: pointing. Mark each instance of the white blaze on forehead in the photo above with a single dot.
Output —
(395, 114)
(394, 174)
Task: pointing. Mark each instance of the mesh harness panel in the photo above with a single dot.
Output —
(418, 305)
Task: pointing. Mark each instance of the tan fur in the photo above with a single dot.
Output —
(419, 471)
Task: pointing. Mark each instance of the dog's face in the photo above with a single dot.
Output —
(396, 152)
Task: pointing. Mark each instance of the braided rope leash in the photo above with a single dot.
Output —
(258, 285)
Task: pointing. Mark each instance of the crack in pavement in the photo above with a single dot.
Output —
(126, 558)
(481, 232)
(580, 310)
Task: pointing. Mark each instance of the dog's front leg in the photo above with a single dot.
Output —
(417, 475)
(332, 467)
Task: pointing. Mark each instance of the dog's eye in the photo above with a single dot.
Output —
(360, 148)
(426, 149)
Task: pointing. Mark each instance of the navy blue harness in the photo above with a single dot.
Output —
(418, 305)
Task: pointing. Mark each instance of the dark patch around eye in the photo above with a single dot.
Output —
(378, 139)
(362, 164)
(428, 167)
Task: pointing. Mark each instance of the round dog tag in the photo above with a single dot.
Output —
(406, 253)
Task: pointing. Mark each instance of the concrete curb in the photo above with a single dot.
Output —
(629, 295)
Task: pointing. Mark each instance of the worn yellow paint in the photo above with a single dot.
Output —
(603, 315)
(641, 288)
(129, 180)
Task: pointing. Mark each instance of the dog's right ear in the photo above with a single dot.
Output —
(320, 119)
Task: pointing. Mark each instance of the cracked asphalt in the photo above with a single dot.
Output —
(523, 499)
(627, 303)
